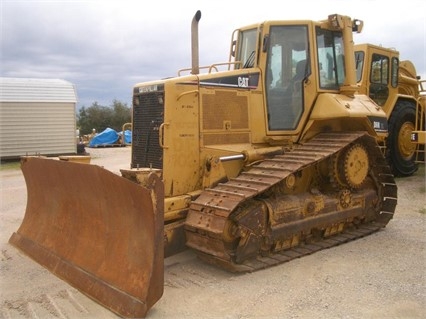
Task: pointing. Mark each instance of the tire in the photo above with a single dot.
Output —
(400, 152)
(81, 148)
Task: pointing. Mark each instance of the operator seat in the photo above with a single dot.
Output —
(295, 81)
(285, 107)
(301, 71)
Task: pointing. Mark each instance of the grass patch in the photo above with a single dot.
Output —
(422, 210)
(10, 165)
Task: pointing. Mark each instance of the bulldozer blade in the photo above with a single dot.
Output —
(100, 232)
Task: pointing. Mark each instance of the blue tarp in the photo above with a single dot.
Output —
(127, 136)
(107, 137)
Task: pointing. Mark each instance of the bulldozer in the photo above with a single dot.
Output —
(395, 86)
(250, 163)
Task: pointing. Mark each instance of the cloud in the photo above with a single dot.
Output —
(105, 47)
(86, 43)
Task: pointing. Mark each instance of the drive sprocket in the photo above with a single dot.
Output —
(353, 169)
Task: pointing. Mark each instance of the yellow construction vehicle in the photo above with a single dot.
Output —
(418, 136)
(395, 86)
(271, 158)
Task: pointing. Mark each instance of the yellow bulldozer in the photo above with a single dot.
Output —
(270, 156)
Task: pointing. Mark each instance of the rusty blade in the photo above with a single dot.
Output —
(96, 230)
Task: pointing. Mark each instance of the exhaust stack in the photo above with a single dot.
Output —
(194, 43)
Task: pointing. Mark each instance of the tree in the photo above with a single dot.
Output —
(122, 115)
(100, 117)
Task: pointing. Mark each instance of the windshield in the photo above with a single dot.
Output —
(247, 48)
(330, 58)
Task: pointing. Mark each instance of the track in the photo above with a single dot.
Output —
(208, 219)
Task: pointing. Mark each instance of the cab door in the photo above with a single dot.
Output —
(287, 67)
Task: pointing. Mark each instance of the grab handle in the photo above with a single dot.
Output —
(161, 135)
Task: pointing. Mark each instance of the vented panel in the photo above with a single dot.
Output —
(225, 106)
(147, 118)
(226, 138)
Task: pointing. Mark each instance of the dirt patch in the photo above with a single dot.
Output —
(379, 276)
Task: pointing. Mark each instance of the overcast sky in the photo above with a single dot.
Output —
(104, 47)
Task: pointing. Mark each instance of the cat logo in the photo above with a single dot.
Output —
(243, 82)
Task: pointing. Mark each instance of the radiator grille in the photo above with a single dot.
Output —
(148, 114)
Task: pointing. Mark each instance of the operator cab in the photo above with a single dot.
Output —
(287, 57)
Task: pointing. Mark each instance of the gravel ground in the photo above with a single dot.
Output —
(379, 276)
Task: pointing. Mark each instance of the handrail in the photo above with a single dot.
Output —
(123, 139)
(211, 67)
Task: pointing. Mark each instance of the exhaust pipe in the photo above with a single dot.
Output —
(194, 43)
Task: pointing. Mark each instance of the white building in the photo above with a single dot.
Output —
(37, 116)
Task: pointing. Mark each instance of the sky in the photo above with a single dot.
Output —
(105, 47)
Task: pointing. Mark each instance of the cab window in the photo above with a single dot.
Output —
(379, 79)
(287, 67)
